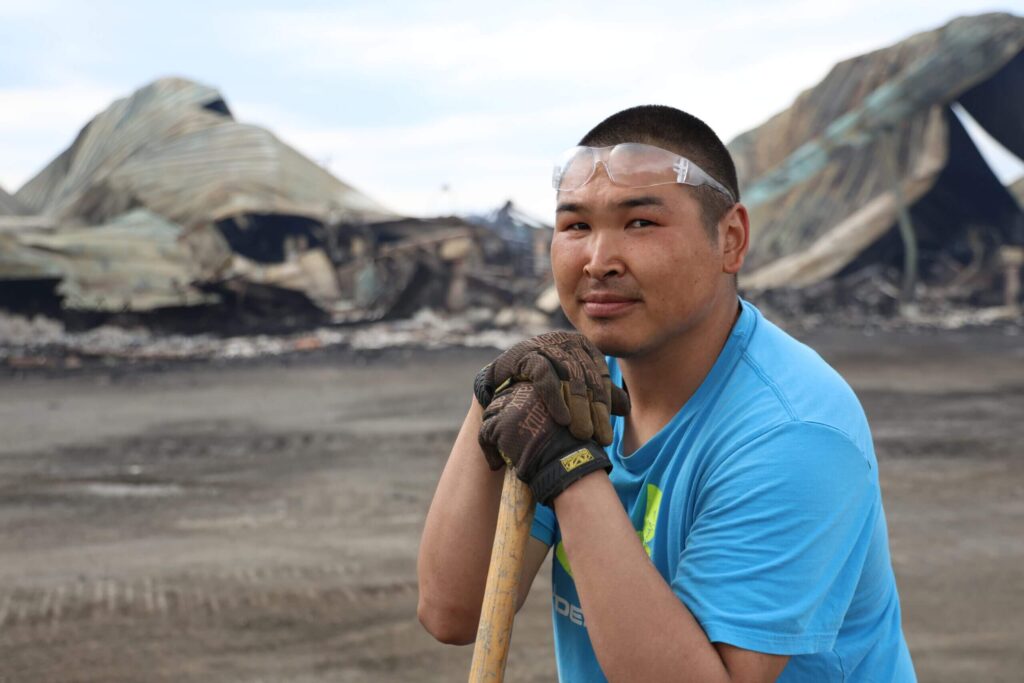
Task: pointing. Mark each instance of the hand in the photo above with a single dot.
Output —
(518, 430)
(569, 375)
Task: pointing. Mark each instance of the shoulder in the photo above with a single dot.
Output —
(793, 471)
(779, 381)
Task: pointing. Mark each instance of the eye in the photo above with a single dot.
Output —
(640, 223)
(574, 227)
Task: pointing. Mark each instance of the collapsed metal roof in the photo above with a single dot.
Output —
(164, 200)
(174, 148)
(136, 261)
(827, 178)
(9, 206)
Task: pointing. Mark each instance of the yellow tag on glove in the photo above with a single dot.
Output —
(575, 459)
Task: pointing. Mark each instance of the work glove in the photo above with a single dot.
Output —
(568, 374)
(519, 430)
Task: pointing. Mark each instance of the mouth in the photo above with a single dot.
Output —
(607, 305)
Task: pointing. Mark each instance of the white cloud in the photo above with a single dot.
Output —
(15, 9)
(555, 49)
(476, 97)
(37, 124)
(485, 157)
(405, 166)
(597, 45)
(55, 107)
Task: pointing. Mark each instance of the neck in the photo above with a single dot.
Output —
(662, 380)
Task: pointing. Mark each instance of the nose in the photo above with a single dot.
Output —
(605, 257)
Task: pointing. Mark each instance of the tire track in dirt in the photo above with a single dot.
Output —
(199, 596)
(226, 550)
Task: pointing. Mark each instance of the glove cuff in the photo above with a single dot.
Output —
(482, 386)
(557, 475)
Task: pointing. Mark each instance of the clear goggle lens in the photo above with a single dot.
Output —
(630, 164)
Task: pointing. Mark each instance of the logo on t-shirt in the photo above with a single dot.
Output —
(651, 505)
(567, 609)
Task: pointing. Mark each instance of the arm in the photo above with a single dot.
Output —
(771, 563)
(565, 373)
(455, 548)
(646, 632)
(638, 626)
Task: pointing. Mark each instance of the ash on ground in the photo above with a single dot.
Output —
(45, 343)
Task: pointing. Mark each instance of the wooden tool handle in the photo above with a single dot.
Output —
(515, 516)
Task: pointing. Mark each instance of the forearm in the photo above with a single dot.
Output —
(639, 628)
(457, 537)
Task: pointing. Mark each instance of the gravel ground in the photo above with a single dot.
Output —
(258, 520)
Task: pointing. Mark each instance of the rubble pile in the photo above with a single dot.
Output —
(41, 342)
(984, 288)
(168, 229)
(868, 193)
(861, 302)
(166, 211)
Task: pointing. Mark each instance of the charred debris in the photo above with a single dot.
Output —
(869, 202)
(169, 230)
(870, 205)
(868, 198)
(167, 212)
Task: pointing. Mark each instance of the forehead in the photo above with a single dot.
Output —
(600, 195)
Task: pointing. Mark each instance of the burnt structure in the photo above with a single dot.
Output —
(868, 187)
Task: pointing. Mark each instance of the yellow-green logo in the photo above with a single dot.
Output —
(575, 459)
(645, 533)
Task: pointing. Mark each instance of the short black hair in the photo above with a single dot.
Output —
(678, 132)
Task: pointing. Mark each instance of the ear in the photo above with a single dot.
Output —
(734, 236)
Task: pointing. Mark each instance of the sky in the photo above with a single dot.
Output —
(439, 107)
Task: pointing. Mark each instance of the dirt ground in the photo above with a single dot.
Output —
(259, 521)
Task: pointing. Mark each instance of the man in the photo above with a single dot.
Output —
(739, 535)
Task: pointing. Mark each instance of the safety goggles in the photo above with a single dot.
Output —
(630, 164)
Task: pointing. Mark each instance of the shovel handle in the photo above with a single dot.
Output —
(515, 516)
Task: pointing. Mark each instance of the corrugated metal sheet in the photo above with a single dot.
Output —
(173, 147)
(9, 206)
(135, 262)
(824, 179)
(164, 193)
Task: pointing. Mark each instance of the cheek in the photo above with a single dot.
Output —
(672, 276)
(567, 261)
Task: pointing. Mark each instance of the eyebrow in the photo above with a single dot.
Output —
(646, 200)
(632, 202)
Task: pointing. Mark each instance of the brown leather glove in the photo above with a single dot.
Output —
(518, 430)
(569, 376)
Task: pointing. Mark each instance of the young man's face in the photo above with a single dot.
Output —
(635, 268)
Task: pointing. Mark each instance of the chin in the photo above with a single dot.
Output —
(618, 348)
(608, 336)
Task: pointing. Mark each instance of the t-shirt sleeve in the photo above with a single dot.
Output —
(780, 533)
(543, 528)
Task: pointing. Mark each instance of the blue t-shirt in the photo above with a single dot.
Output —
(759, 504)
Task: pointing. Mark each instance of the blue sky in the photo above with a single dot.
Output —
(403, 99)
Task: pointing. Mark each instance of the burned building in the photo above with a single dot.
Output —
(525, 240)
(868, 187)
(164, 201)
